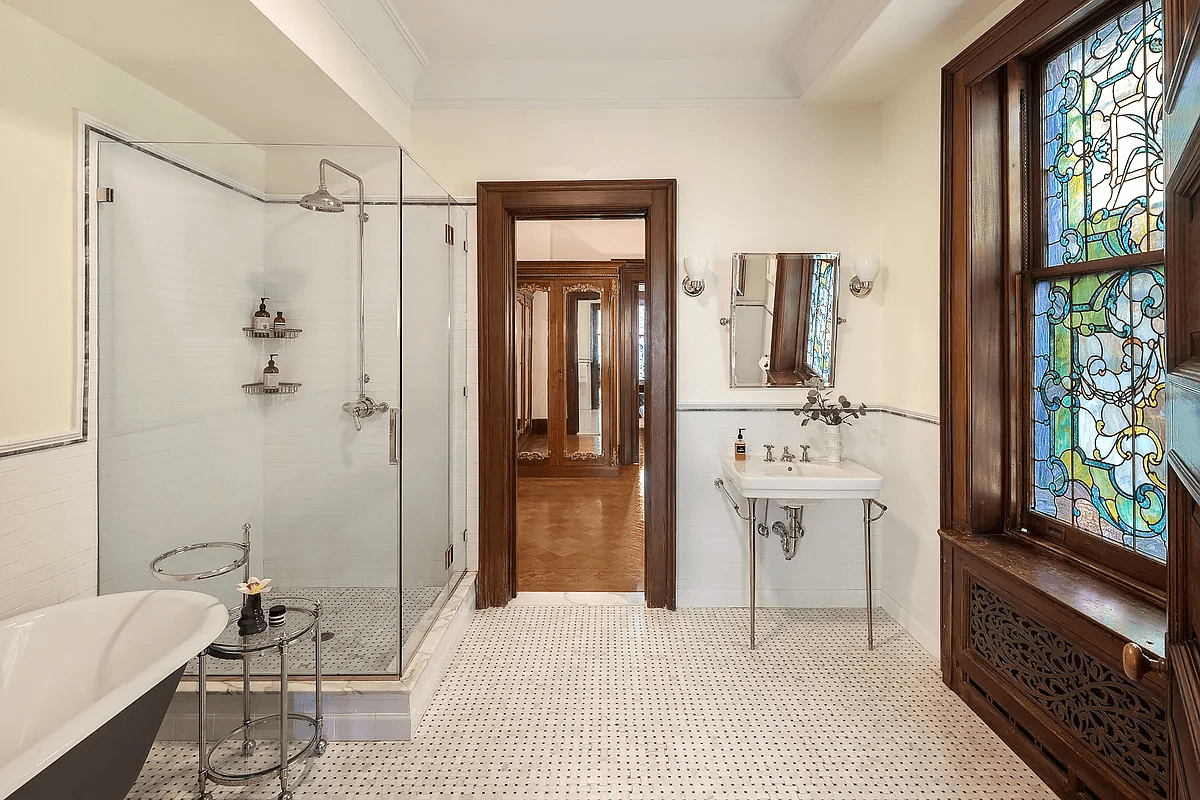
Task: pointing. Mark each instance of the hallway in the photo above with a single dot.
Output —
(581, 534)
(585, 702)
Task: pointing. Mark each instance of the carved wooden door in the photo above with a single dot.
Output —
(1182, 156)
(573, 431)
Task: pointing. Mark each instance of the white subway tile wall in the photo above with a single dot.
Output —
(48, 528)
(180, 446)
(330, 492)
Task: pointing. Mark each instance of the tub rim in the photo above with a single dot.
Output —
(212, 617)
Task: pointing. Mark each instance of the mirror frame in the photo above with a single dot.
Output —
(737, 289)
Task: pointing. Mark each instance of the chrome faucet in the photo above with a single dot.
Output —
(804, 459)
(770, 457)
(787, 457)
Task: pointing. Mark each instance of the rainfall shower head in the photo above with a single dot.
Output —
(321, 200)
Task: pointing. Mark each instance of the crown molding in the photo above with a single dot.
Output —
(535, 103)
(410, 40)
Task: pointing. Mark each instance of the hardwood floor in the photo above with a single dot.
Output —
(581, 534)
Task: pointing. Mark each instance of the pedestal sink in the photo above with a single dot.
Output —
(803, 483)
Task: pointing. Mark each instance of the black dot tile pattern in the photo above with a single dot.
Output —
(599, 702)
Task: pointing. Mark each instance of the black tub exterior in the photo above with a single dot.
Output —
(105, 765)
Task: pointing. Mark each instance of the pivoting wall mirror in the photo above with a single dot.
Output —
(783, 319)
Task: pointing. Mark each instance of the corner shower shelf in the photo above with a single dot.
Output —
(286, 333)
(258, 388)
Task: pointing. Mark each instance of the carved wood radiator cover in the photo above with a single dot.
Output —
(1121, 725)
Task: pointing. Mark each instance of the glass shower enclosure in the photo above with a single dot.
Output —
(349, 462)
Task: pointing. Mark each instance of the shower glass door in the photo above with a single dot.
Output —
(191, 444)
(431, 507)
(352, 472)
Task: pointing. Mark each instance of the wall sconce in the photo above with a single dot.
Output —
(865, 270)
(693, 279)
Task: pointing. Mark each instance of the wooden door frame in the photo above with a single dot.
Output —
(500, 204)
(632, 273)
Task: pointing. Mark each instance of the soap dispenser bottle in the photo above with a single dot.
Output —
(280, 324)
(739, 447)
(271, 374)
(262, 318)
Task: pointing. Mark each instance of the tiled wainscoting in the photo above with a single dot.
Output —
(628, 702)
(354, 710)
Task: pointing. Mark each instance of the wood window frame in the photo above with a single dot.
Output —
(991, 161)
(500, 204)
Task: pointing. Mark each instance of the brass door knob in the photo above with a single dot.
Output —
(1136, 663)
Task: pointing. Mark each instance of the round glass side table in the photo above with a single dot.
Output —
(236, 758)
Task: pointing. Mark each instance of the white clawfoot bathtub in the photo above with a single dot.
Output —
(84, 687)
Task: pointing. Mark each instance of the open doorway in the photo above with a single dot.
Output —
(501, 206)
(580, 509)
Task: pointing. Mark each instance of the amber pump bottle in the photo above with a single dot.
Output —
(271, 374)
(262, 317)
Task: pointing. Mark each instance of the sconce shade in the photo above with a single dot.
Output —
(695, 268)
(866, 269)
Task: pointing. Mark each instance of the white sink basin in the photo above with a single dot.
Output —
(801, 483)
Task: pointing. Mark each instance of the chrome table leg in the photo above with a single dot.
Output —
(321, 744)
(284, 794)
(202, 690)
(248, 744)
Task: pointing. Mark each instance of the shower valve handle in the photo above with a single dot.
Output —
(362, 408)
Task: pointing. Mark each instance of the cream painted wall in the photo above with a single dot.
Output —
(765, 177)
(46, 79)
(910, 191)
(907, 291)
(48, 524)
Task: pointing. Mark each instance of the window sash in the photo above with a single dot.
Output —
(1024, 105)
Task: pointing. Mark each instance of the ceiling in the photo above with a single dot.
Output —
(650, 52)
(227, 61)
(221, 58)
(614, 30)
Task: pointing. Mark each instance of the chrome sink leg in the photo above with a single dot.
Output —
(867, 520)
(753, 505)
(867, 549)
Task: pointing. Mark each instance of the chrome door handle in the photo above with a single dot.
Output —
(393, 455)
(1137, 662)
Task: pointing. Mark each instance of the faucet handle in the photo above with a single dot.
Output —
(804, 455)
(770, 453)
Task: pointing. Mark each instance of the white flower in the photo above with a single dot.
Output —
(255, 586)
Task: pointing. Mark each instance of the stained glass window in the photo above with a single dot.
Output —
(1098, 333)
(819, 340)
(1098, 396)
(1102, 135)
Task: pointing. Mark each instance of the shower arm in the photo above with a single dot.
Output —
(362, 321)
